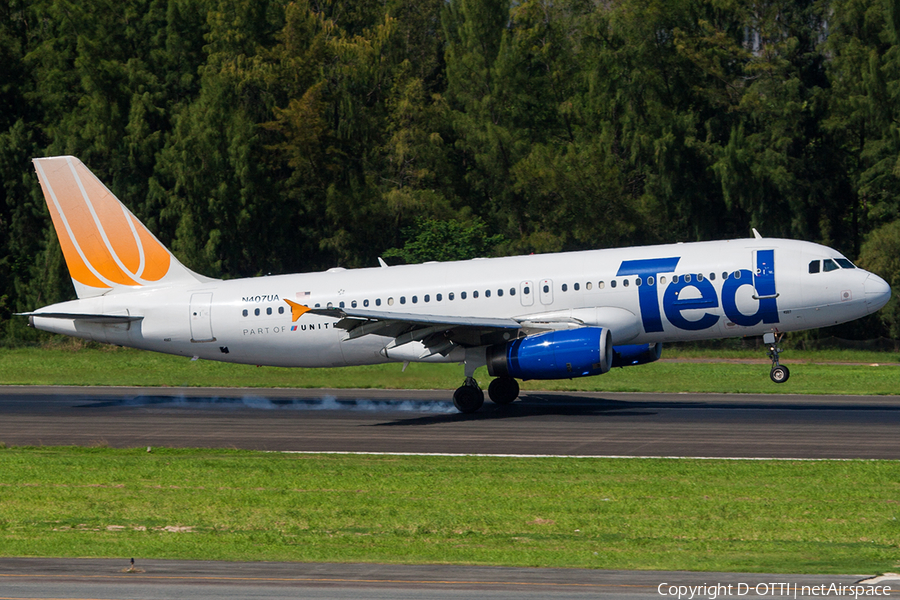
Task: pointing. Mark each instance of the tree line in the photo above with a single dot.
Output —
(271, 136)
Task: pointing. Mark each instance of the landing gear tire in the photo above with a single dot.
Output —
(780, 374)
(468, 398)
(503, 390)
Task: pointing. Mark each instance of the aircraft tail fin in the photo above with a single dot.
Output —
(105, 246)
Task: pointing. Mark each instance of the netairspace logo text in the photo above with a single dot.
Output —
(796, 590)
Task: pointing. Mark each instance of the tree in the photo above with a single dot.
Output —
(881, 254)
(430, 239)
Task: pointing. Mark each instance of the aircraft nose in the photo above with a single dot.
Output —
(878, 292)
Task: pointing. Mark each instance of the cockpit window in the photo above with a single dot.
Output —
(845, 264)
(814, 266)
(829, 265)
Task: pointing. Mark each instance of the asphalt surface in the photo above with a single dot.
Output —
(595, 424)
(584, 424)
(105, 578)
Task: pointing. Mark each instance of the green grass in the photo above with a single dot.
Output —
(762, 516)
(115, 366)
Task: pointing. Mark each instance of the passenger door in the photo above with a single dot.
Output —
(201, 317)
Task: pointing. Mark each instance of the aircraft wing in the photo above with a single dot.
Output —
(441, 333)
(377, 315)
(437, 332)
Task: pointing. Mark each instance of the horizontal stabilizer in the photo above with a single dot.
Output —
(86, 318)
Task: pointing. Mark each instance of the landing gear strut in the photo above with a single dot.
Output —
(779, 373)
(468, 398)
(503, 390)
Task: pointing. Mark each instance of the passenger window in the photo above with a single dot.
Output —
(462, 295)
(269, 310)
(377, 301)
(415, 299)
(353, 304)
(737, 274)
(329, 305)
(546, 289)
(612, 283)
(280, 310)
(712, 276)
(245, 313)
(674, 278)
(724, 274)
(576, 286)
(487, 293)
(341, 305)
(450, 296)
(662, 280)
(828, 265)
(318, 305)
(402, 299)
(438, 297)
(512, 291)
(625, 282)
(845, 264)
(390, 301)
(814, 266)
(687, 278)
(366, 302)
(699, 276)
(601, 285)
(256, 312)
(651, 280)
(427, 298)
(564, 287)
(588, 285)
(527, 290)
(638, 282)
(500, 292)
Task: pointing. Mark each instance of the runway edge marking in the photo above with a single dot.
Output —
(452, 454)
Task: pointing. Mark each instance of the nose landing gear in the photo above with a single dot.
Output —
(779, 373)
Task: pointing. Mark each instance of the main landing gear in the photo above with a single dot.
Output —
(779, 373)
(469, 397)
(503, 390)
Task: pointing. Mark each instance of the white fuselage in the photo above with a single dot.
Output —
(737, 288)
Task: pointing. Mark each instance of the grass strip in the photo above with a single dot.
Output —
(126, 367)
(705, 515)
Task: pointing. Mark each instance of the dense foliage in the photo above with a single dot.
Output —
(275, 136)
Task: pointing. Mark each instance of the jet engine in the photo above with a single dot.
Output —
(636, 354)
(553, 355)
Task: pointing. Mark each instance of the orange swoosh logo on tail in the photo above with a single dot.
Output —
(102, 241)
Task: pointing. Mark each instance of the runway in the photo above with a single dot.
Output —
(156, 579)
(575, 424)
(579, 424)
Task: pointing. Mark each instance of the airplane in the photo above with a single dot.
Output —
(547, 316)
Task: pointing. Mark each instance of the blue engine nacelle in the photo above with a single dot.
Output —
(553, 355)
(636, 354)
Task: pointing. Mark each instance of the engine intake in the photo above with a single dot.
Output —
(553, 355)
